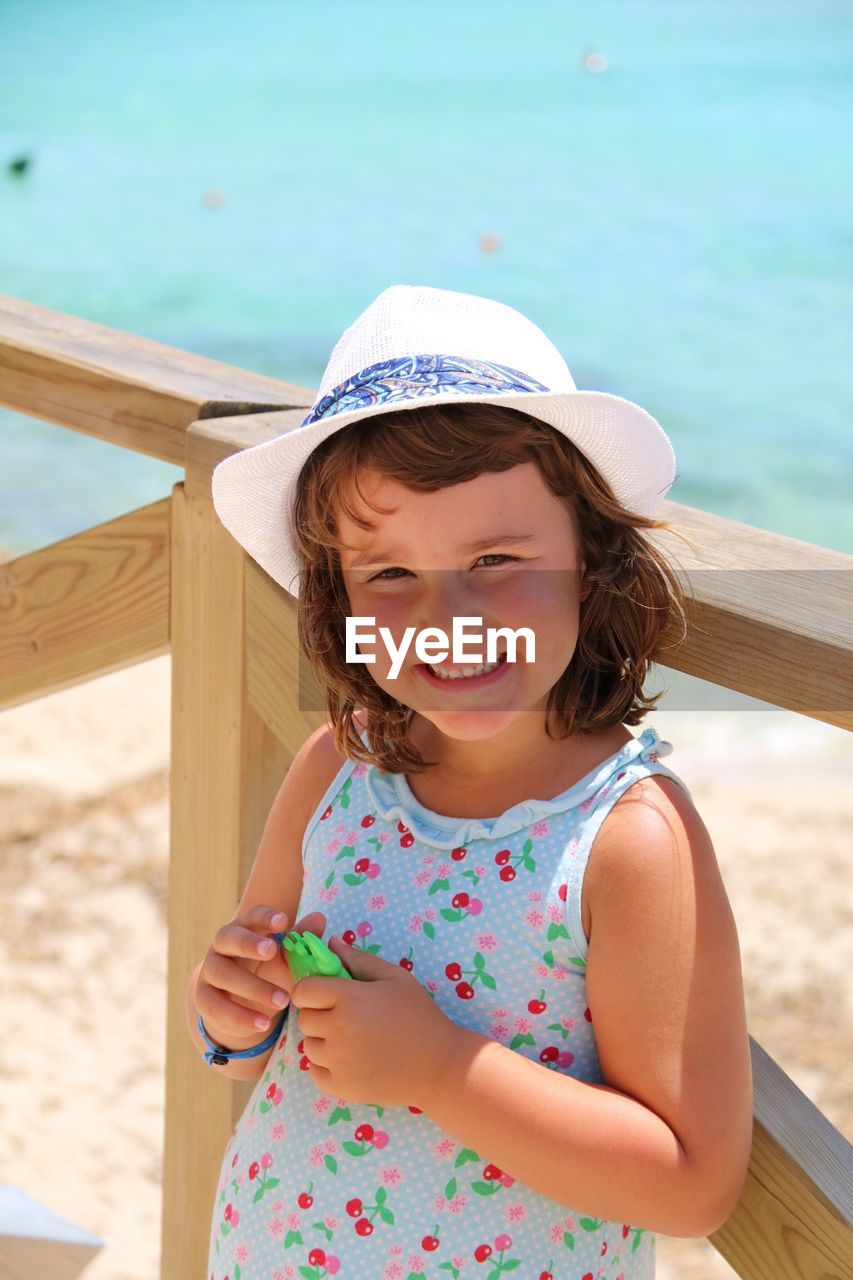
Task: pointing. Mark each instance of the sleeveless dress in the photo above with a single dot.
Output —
(487, 915)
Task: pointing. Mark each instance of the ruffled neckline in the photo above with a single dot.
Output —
(393, 798)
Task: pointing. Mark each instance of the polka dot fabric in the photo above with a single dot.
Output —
(486, 914)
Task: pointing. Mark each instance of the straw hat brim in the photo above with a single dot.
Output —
(253, 489)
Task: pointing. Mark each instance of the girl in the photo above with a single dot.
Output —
(544, 1058)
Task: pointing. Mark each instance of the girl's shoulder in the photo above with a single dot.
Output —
(323, 759)
(653, 821)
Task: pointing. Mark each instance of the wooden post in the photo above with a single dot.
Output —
(225, 769)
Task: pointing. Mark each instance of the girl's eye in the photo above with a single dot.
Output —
(380, 577)
(497, 556)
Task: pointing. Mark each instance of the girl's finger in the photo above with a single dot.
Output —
(264, 919)
(235, 1020)
(312, 1022)
(314, 922)
(233, 939)
(228, 976)
(315, 1051)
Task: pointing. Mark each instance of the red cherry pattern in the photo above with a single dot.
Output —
(464, 989)
(467, 975)
(510, 862)
(272, 1098)
(499, 1246)
(363, 1215)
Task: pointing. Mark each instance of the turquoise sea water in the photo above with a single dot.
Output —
(678, 223)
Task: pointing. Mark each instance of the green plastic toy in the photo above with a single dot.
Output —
(308, 955)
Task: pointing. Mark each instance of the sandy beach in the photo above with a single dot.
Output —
(84, 821)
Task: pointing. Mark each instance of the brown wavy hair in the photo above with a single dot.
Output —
(633, 611)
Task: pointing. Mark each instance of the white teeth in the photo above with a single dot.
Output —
(465, 673)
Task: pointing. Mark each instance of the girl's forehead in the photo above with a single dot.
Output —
(515, 504)
(517, 487)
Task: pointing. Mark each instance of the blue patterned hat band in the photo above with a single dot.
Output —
(412, 377)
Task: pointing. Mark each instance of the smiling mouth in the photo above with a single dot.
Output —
(469, 674)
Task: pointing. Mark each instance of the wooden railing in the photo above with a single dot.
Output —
(770, 617)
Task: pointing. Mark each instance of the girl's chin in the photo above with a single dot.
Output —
(473, 723)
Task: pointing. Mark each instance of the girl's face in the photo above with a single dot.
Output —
(500, 547)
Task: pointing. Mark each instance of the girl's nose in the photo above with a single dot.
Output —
(447, 595)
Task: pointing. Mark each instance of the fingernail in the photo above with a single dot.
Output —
(279, 918)
(266, 948)
(279, 998)
(261, 1023)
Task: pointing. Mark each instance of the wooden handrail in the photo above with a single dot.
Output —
(91, 604)
(794, 1218)
(119, 387)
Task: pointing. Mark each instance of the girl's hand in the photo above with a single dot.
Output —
(381, 1040)
(238, 979)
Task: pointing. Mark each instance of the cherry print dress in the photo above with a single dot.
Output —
(487, 915)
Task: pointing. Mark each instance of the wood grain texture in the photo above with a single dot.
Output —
(119, 387)
(226, 767)
(794, 1220)
(210, 441)
(769, 616)
(281, 686)
(91, 604)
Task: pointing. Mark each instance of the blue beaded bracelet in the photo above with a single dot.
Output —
(219, 1055)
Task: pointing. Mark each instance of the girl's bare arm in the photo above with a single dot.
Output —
(275, 879)
(665, 1142)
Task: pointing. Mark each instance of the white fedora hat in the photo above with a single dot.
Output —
(416, 346)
